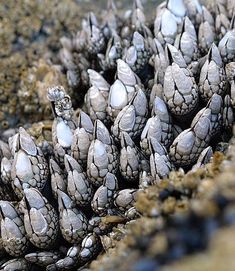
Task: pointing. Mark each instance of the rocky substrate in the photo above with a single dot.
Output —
(190, 213)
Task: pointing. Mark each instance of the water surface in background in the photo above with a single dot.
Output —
(149, 5)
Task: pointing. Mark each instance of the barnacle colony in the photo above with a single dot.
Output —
(159, 96)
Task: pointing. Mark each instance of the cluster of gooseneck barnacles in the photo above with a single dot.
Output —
(159, 96)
